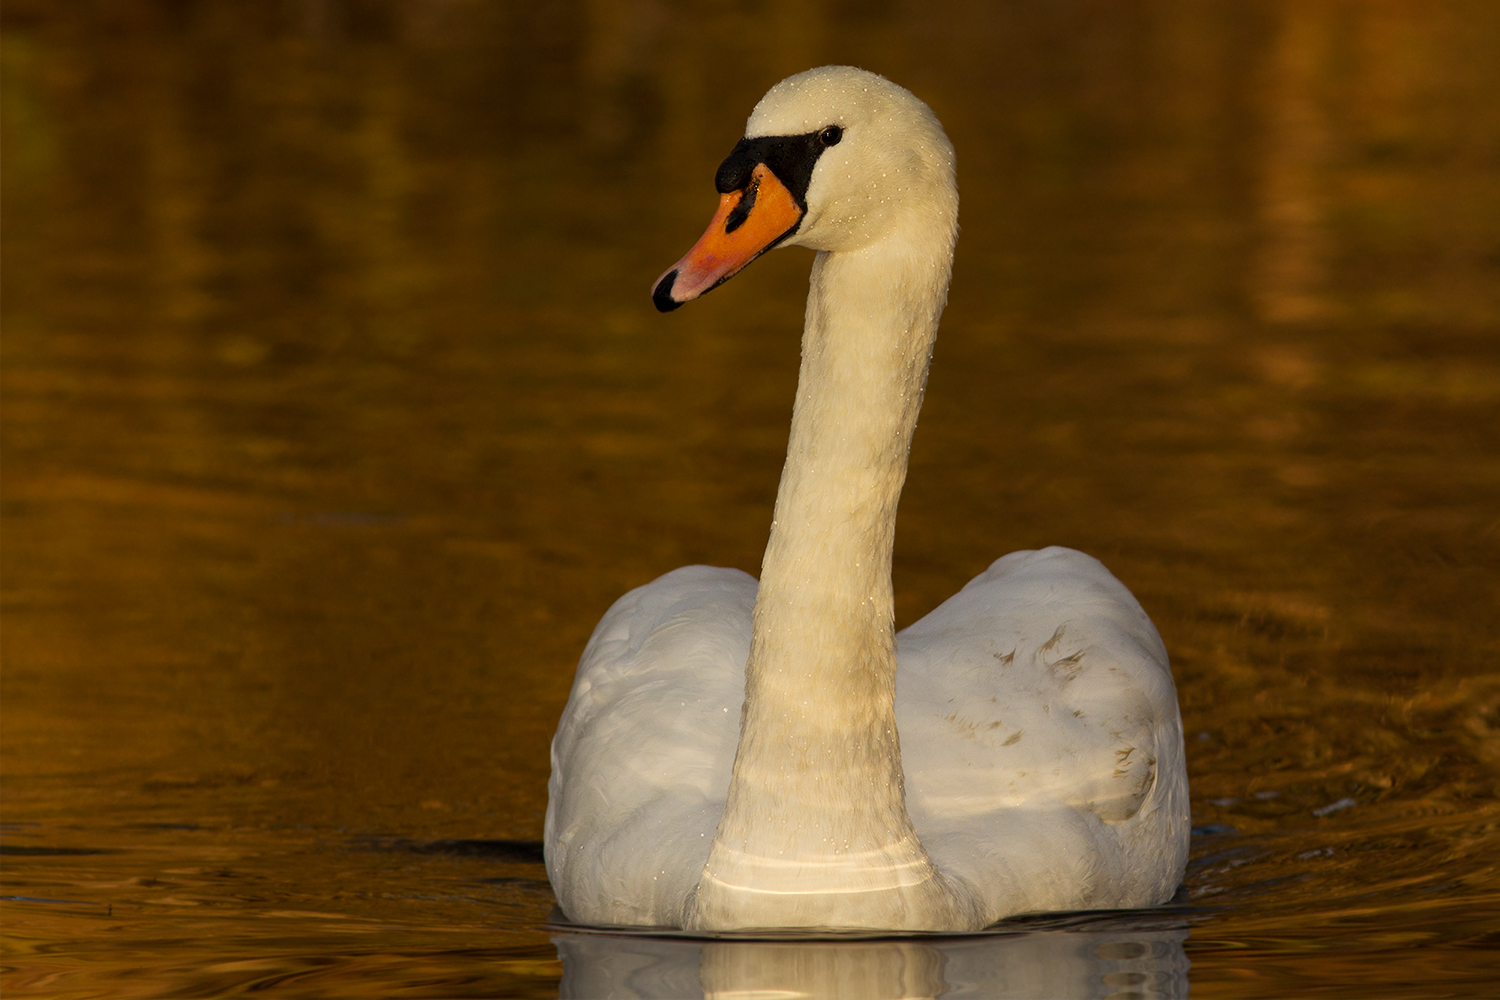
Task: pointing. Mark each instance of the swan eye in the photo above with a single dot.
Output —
(831, 135)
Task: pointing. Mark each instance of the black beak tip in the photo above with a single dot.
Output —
(661, 295)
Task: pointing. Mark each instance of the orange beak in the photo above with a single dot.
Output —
(748, 223)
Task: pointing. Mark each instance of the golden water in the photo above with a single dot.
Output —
(336, 412)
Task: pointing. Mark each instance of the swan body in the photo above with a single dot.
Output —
(739, 755)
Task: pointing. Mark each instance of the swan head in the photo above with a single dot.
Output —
(834, 159)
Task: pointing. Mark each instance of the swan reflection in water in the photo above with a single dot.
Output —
(1116, 962)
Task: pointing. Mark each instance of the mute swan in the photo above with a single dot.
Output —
(732, 755)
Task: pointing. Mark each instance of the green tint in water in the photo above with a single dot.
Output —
(336, 412)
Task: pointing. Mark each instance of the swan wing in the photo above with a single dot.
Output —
(643, 753)
(1040, 737)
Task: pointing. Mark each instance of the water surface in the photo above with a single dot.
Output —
(336, 412)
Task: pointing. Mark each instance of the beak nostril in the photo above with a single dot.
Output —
(742, 210)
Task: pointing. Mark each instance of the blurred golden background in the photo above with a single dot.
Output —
(335, 413)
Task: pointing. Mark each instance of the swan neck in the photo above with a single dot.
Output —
(817, 788)
(827, 567)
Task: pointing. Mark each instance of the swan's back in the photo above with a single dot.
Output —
(643, 753)
(1040, 738)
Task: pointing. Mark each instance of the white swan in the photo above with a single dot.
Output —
(729, 757)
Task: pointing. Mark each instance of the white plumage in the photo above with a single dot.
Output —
(1019, 749)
